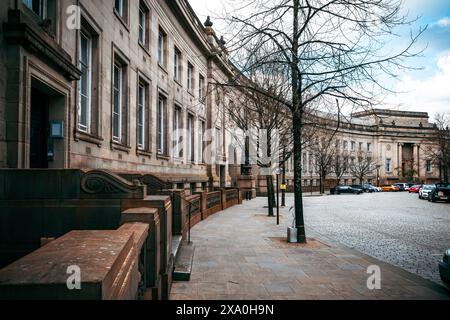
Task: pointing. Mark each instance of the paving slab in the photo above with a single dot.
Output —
(239, 256)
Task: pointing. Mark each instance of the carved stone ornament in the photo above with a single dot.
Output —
(101, 184)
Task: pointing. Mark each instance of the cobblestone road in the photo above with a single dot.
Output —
(397, 228)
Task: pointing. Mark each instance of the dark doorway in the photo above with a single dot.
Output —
(39, 119)
(222, 176)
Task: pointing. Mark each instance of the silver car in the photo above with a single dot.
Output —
(425, 191)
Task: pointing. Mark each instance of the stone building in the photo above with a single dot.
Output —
(127, 85)
(398, 144)
(123, 88)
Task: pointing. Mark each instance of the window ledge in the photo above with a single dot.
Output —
(120, 147)
(87, 137)
(162, 157)
(122, 20)
(145, 48)
(144, 153)
(178, 82)
(163, 68)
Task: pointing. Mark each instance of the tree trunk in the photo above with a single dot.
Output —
(297, 126)
(298, 196)
(270, 195)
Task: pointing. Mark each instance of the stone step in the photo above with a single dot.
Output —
(183, 263)
(176, 244)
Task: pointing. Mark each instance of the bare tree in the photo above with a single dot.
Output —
(325, 49)
(440, 156)
(362, 166)
(340, 165)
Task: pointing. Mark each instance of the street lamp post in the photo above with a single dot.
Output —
(277, 173)
(378, 175)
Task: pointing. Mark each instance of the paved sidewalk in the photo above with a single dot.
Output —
(240, 254)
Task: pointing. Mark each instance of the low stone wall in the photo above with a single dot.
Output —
(212, 203)
(81, 265)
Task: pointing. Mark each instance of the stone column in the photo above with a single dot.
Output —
(400, 160)
(418, 166)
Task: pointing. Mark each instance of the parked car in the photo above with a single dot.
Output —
(389, 188)
(425, 191)
(402, 186)
(345, 189)
(370, 188)
(363, 187)
(415, 188)
(441, 192)
(444, 269)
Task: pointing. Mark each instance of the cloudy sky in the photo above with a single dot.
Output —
(427, 89)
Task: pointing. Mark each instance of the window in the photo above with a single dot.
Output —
(117, 110)
(39, 7)
(141, 116)
(201, 142)
(346, 182)
(201, 88)
(369, 147)
(190, 77)
(144, 23)
(118, 5)
(85, 83)
(310, 163)
(162, 39)
(161, 125)
(177, 149)
(190, 138)
(388, 165)
(345, 145)
(353, 145)
(121, 9)
(360, 146)
(304, 163)
(218, 141)
(120, 100)
(177, 65)
(428, 166)
(193, 187)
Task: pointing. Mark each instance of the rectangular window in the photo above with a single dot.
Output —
(117, 107)
(201, 88)
(369, 147)
(85, 83)
(190, 138)
(360, 146)
(428, 166)
(388, 165)
(218, 141)
(39, 7)
(190, 75)
(162, 39)
(304, 163)
(353, 145)
(119, 6)
(177, 149)
(144, 23)
(201, 142)
(141, 116)
(161, 125)
(345, 145)
(177, 65)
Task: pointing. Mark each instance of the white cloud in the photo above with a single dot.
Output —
(444, 22)
(431, 94)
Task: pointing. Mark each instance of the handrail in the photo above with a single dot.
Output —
(190, 203)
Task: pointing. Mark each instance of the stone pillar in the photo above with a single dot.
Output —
(400, 160)
(418, 165)
(415, 158)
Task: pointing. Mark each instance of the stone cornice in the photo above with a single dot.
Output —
(20, 30)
